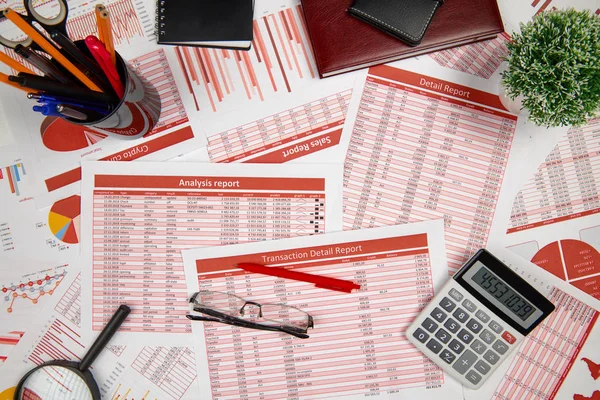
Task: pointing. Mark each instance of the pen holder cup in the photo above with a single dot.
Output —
(137, 112)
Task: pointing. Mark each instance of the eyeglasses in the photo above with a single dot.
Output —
(228, 309)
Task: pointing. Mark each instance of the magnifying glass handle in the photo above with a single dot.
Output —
(107, 333)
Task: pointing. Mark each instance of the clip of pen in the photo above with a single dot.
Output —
(60, 110)
(102, 57)
(322, 282)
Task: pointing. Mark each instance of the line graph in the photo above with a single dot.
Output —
(279, 62)
(31, 289)
(12, 176)
(122, 393)
(125, 23)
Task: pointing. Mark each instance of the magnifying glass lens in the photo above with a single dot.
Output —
(55, 382)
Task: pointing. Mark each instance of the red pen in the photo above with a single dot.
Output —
(102, 57)
(319, 281)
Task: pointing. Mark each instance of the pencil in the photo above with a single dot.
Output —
(14, 64)
(108, 37)
(4, 79)
(98, 11)
(37, 37)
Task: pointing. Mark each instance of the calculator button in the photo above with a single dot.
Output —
(496, 327)
(447, 356)
(443, 336)
(465, 336)
(452, 325)
(473, 377)
(464, 362)
(491, 357)
(438, 315)
(420, 335)
(482, 367)
(474, 325)
(482, 316)
(478, 346)
(508, 337)
(456, 346)
(461, 315)
(429, 325)
(487, 336)
(434, 346)
(455, 294)
(447, 304)
(469, 305)
(500, 346)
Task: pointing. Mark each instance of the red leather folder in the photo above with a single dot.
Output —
(342, 43)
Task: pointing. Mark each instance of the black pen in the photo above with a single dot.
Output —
(42, 63)
(87, 66)
(58, 89)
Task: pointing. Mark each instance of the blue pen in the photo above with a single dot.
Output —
(47, 110)
(101, 108)
(83, 107)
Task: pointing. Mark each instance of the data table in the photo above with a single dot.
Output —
(138, 235)
(417, 153)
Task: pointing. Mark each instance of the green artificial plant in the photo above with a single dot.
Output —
(554, 64)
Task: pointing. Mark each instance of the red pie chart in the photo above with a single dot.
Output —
(63, 219)
(61, 135)
(574, 261)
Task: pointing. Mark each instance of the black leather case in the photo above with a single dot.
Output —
(406, 20)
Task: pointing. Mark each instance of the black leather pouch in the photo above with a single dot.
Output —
(406, 20)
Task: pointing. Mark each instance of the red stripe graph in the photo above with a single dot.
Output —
(279, 60)
(59, 342)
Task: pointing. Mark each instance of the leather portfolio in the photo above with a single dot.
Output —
(406, 20)
(342, 43)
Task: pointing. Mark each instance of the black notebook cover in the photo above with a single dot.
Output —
(205, 23)
(406, 20)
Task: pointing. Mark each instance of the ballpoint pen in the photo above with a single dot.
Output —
(14, 64)
(101, 108)
(58, 89)
(4, 79)
(319, 281)
(41, 41)
(42, 63)
(71, 112)
(103, 59)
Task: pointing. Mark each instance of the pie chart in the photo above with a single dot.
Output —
(63, 219)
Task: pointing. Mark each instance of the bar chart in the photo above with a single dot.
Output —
(280, 61)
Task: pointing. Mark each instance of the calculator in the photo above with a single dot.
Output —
(477, 319)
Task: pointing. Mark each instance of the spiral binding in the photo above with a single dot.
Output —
(159, 24)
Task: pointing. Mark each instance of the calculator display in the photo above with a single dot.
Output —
(502, 294)
(493, 287)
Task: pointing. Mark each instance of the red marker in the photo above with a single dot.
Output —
(102, 57)
(319, 281)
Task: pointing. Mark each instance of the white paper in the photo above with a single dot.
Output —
(128, 372)
(551, 361)
(555, 217)
(138, 216)
(357, 347)
(35, 250)
(268, 104)
(425, 142)
(55, 154)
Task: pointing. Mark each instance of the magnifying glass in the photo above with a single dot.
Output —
(69, 380)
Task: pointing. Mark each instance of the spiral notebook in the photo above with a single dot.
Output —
(225, 24)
